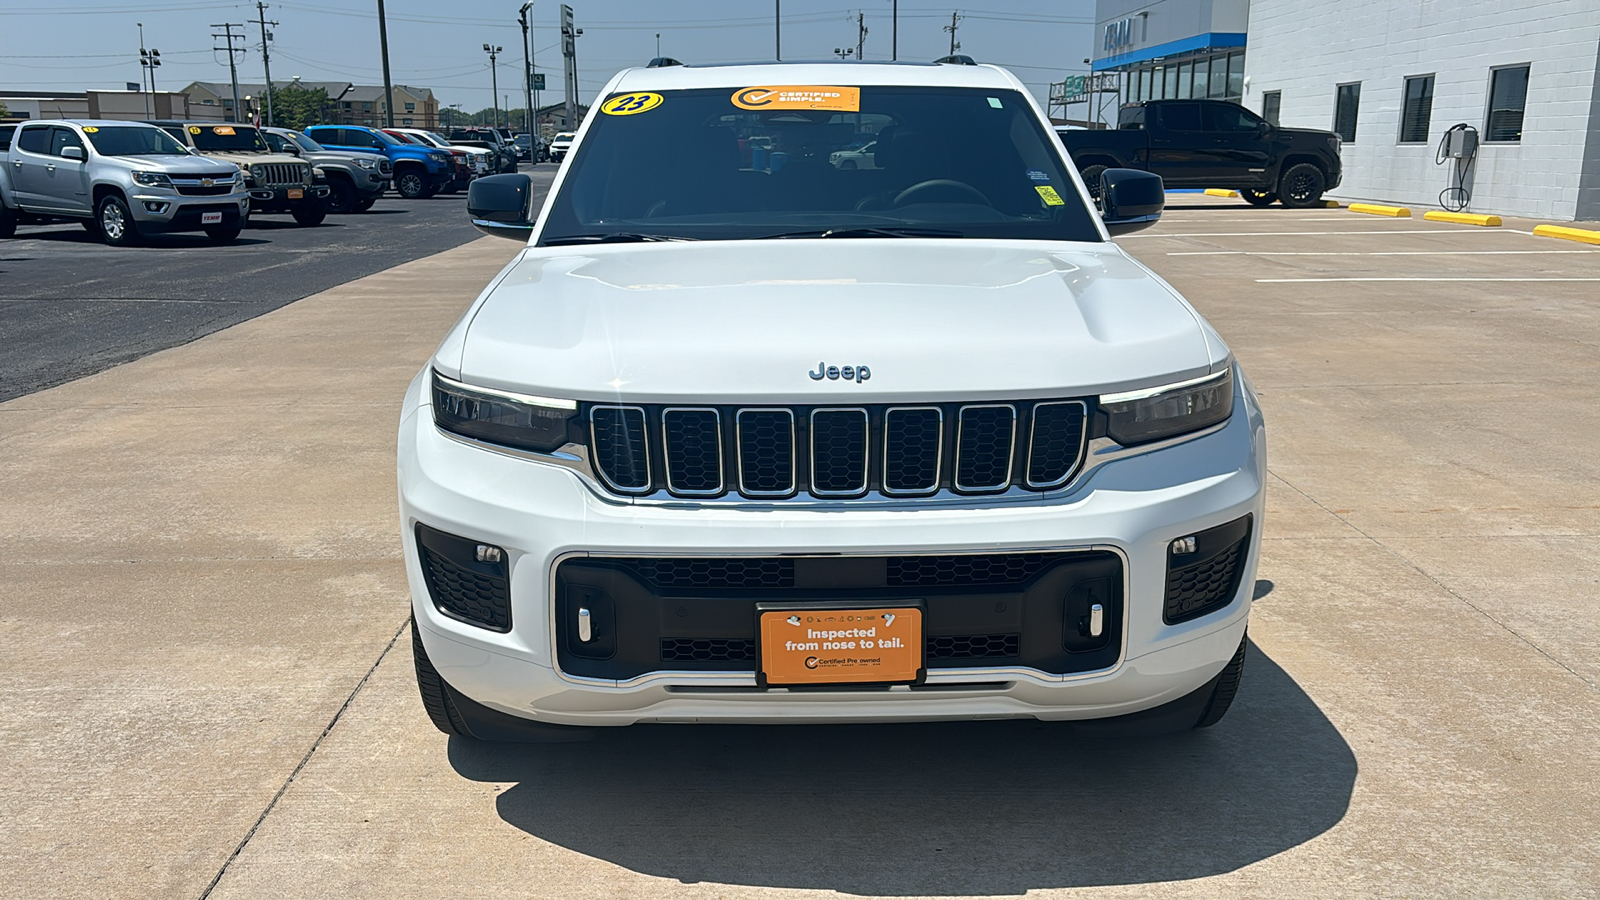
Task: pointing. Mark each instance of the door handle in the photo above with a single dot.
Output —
(50, 167)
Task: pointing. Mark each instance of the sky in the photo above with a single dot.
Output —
(81, 44)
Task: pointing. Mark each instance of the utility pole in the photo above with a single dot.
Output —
(388, 88)
(894, 33)
(569, 53)
(527, 67)
(494, 80)
(266, 60)
(148, 61)
(658, 45)
(861, 34)
(954, 44)
(233, 67)
(777, 29)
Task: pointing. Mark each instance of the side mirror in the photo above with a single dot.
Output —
(499, 205)
(72, 153)
(1130, 200)
(291, 148)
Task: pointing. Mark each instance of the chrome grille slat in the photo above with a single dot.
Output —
(909, 434)
(622, 447)
(986, 441)
(691, 443)
(839, 449)
(1056, 436)
(766, 454)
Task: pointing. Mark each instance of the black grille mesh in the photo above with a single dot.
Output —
(694, 451)
(766, 451)
(620, 446)
(839, 451)
(713, 573)
(1057, 443)
(911, 444)
(975, 569)
(1195, 590)
(983, 448)
(707, 650)
(466, 594)
(974, 646)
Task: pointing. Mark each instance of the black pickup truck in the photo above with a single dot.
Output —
(1212, 144)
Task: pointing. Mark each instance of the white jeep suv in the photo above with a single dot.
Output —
(744, 436)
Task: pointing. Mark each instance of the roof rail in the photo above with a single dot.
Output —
(662, 62)
(956, 60)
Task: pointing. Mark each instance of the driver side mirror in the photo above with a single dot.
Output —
(1130, 200)
(72, 153)
(291, 148)
(499, 205)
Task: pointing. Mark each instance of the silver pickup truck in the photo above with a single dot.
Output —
(122, 180)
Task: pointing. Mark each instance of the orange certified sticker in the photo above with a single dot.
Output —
(222, 129)
(841, 646)
(799, 96)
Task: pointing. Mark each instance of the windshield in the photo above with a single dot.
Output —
(403, 138)
(132, 140)
(305, 143)
(563, 136)
(436, 139)
(385, 137)
(226, 137)
(958, 162)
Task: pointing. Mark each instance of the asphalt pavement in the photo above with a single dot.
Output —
(71, 306)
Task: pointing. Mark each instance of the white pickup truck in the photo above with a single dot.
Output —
(744, 436)
(121, 180)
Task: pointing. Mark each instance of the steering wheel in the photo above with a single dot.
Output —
(946, 187)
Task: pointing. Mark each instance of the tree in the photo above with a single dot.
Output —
(3, 111)
(296, 107)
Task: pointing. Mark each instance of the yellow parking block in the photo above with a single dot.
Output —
(1567, 234)
(1434, 215)
(1330, 204)
(1373, 209)
(1219, 192)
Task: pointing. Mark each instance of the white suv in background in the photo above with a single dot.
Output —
(744, 436)
(560, 145)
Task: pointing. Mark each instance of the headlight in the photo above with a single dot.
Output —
(1138, 417)
(152, 179)
(441, 157)
(365, 163)
(501, 417)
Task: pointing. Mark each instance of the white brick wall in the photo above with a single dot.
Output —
(1305, 48)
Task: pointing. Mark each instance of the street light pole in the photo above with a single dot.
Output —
(266, 61)
(143, 55)
(388, 87)
(777, 29)
(527, 67)
(894, 33)
(494, 79)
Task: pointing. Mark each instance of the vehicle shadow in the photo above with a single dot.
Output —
(958, 808)
(179, 240)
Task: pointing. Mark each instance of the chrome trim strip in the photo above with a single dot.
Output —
(1083, 440)
(748, 679)
(1147, 393)
(644, 419)
(666, 453)
(738, 440)
(866, 450)
(1011, 451)
(526, 399)
(938, 454)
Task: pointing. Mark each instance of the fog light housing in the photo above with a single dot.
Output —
(156, 206)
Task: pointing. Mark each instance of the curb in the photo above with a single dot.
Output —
(1373, 209)
(1220, 192)
(1567, 234)
(1434, 215)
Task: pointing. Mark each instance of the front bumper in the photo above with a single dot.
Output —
(1132, 508)
(279, 194)
(161, 212)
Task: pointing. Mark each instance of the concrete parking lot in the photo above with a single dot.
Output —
(207, 670)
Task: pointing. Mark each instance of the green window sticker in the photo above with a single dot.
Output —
(995, 102)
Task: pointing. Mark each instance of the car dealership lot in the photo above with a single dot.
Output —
(208, 674)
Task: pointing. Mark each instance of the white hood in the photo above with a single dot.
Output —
(746, 321)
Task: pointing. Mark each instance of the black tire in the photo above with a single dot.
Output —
(411, 184)
(223, 234)
(432, 191)
(8, 221)
(341, 196)
(309, 213)
(1227, 686)
(1259, 198)
(115, 222)
(364, 205)
(1301, 186)
(1091, 179)
(435, 699)
(91, 226)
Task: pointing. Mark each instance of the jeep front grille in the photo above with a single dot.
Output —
(834, 452)
(275, 175)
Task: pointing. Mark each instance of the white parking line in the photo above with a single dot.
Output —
(1367, 253)
(1314, 280)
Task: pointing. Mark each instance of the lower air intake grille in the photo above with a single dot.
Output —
(460, 586)
(1211, 581)
(986, 569)
(713, 573)
(974, 646)
(707, 650)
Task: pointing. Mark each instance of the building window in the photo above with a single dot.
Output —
(1185, 79)
(1508, 97)
(1271, 101)
(1346, 103)
(1169, 87)
(1418, 110)
(406, 122)
(411, 107)
(1202, 79)
(1235, 76)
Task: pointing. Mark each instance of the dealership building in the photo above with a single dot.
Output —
(1512, 90)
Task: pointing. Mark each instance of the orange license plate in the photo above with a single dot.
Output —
(863, 645)
(296, 193)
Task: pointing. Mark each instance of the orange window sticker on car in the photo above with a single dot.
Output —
(799, 96)
(1049, 195)
(631, 104)
(223, 130)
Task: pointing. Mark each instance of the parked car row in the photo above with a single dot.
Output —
(123, 180)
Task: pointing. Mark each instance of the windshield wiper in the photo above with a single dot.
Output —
(615, 237)
(896, 231)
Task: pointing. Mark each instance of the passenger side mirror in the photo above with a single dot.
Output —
(291, 148)
(499, 205)
(1130, 200)
(72, 153)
